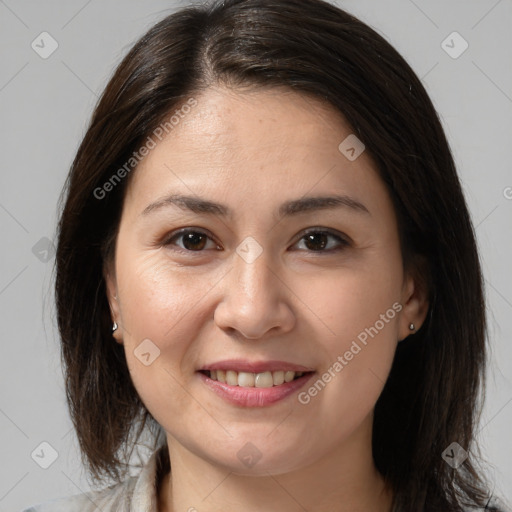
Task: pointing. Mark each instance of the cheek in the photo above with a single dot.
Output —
(159, 309)
(157, 297)
(359, 312)
(353, 300)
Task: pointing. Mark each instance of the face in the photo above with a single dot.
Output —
(266, 276)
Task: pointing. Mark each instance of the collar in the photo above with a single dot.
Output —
(145, 491)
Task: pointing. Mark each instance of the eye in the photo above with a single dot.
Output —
(193, 240)
(316, 240)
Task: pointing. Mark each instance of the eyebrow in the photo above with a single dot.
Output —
(287, 209)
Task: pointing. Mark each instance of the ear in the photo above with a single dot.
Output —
(113, 300)
(414, 301)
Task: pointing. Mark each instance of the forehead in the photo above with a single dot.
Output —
(265, 142)
(221, 108)
(251, 121)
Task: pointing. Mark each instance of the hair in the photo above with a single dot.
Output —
(431, 397)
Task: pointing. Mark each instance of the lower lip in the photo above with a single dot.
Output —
(255, 397)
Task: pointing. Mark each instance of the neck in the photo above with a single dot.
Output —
(343, 480)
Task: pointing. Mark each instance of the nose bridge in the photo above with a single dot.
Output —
(253, 300)
(254, 272)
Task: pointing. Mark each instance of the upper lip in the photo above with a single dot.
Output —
(255, 366)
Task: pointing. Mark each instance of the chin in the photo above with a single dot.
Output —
(252, 461)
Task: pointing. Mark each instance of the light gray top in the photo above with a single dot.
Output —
(135, 494)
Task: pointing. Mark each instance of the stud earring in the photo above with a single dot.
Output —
(411, 327)
(114, 327)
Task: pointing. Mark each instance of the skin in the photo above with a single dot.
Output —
(253, 150)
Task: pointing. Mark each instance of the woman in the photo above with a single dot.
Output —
(266, 261)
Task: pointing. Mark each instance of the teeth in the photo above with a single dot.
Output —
(251, 380)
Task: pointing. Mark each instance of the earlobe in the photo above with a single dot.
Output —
(111, 289)
(415, 307)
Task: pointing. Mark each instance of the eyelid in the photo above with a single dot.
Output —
(344, 240)
(176, 234)
(328, 231)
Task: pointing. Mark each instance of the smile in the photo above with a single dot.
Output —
(258, 392)
(265, 379)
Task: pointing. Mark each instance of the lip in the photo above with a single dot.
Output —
(254, 397)
(243, 365)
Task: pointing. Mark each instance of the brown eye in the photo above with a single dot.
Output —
(191, 240)
(320, 241)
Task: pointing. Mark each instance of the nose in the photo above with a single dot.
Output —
(256, 300)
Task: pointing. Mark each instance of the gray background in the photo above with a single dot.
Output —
(45, 105)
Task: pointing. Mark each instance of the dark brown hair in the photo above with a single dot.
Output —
(431, 397)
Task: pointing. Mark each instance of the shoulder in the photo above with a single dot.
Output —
(110, 499)
(133, 494)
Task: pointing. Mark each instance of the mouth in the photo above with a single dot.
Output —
(249, 389)
(265, 379)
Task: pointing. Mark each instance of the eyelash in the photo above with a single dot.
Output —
(168, 241)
